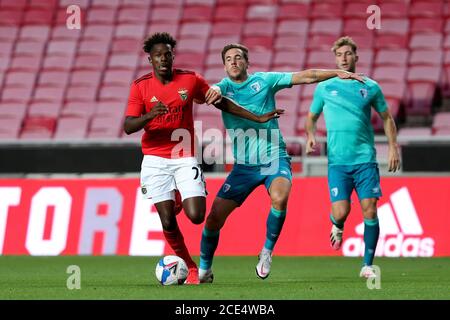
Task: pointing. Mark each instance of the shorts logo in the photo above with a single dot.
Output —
(334, 191)
(334, 93)
(143, 190)
(226, 187)
(183, 94)
(284, 172)
(255, 86)
(363, 93)
(375, 190)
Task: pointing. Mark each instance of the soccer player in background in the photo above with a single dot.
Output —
(259, 152)
(161, 102)
(351, 153)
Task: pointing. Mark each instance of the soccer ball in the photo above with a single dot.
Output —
(171, 270)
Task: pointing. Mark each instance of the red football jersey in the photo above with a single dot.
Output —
(178, 95)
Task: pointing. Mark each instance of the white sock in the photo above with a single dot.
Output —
(265, 250)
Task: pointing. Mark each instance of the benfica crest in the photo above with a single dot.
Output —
(183, 94)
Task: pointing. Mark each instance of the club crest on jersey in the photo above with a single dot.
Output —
(183, 94)
(143, 190)
(363, 93)
(335, 191)
(255, 86)
(226, 187)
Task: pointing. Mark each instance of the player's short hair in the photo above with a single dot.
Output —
(235, 46)
(159, 37)
(344, 41)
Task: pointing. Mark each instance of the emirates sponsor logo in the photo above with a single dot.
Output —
(401, 233)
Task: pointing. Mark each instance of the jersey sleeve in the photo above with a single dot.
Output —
(201, 88)
(318, 102)
(279, 80)
(378, 101)
(135, 106)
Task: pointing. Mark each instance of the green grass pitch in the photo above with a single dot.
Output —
(292, 278)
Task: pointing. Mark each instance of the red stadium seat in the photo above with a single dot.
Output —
(87, 78)
(365, 58)
(78, 109)
(226, 29)
(114, 92)
(58, 62)
(105, 3)
(291, 43)
(197, 13)
(122, 60)
(30, 63)
(426, 57)
(387, 57)
(292, 27)
(98, 32)
(10, 128)
(320, 60)
(53, 78)
(441, 120)
(189, 60)
(165, 14)
(326, 26)
(293, 11)
(260, 59)
(390, 73)
(214, 75)
(293, 60)
(105, 127)
(101, 16)
(13, 5)
(356, 10)
(126, 45)
(288, 124)
(20, 78)
(213, 60)
(100, 47)
(433, 25)
(61, 47)
(171, 28)
(414, 132)
(217, 43)
(430, 40)
(49, 93)
(391, 41)
(132, 15)
(303, 107)
(81, 93)
(321, 42)
(38, 128)
(118, 77)
(38, 16)
(422, 82)
(426, 9)
(192, 45)
(230, 13)
(44, 109)
(9, 33)
(44, 4)
(326, 9)
(70, 127)
(81, 3)
(110, 109)
(363, 40)
(355, 26)
(90, 61)
(262, 12)
(398, 26)
(30, 48)
(134, 31)
(16, 93)
(10, 17)
(36, 33)
(11, 110)
(258, 42)
(394, 9)
(195, 30)
(210, 121)
(62, 33)
(259, 28)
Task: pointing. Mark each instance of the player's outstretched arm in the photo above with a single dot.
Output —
(318, 75)
(310, 128)
(230, 106)
(134, 124)
(391, 133)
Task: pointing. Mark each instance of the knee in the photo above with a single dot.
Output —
(279, 200)
(370, 213)
(197, 217)
(340, 214)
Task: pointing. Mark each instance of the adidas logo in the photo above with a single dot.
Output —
(154, 99)
(400, 231)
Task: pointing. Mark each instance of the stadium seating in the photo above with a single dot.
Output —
(54, 79)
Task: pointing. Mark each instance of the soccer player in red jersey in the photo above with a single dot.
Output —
(161, 103)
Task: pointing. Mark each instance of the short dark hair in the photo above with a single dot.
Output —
(159, 37)
(235, 46)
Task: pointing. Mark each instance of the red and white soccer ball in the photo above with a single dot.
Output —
(171, 270)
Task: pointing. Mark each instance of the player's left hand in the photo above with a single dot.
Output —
(213, 96)
(393, 159)
(350, 75)
(270, 115)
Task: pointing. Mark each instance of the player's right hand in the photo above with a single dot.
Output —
(311, 145)
(271, 115)
(158, 110)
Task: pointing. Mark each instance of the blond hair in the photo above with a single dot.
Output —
(344, 41)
